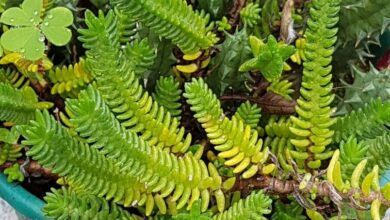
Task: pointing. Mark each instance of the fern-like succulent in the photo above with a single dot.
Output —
(140, 55)
(187, 178)
(127, 27)
(168, 95)
(14, 78)
(365, 123)
(84, 168)
(67, 204)
(120, 88)
(250, 15)
(351, 153)
(312, 126)
(19, 105)
(174, 20)
(237, 142)
(70, 80)
(255, 206)
(278, 140)
(378, 151)
(249, 114)
(282, 87)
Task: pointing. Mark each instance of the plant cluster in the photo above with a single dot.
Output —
(202, 109)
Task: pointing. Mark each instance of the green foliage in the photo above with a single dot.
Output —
(9, 150)
(18, 105)
(68, 81)
(174, 20)
(238, 144)
(168, 95)
(378, 152)
(16, 79)
(120, 88)
(85, 169)
(195, 214)
(281, 87)
(234, 51)
(269, 57)
(118, 149)
(312, 127)
(187, 178)
(140, 56)
(29, 32)
(351, 153)
(292, 211)
(67, 204)
(366, 85)
(278, 139)
(270, 13)
(255, 206)
(127, 27)
(14, 174)
(249, 114)
(250, 15)
(363, 21)
(216, 8)
(365, 123)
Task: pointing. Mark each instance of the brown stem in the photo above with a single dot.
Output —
(269, 103)
(324, 189)
(234, 13)
(31, 168)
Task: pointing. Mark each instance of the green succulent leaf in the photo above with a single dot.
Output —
(54, 26)
(269, 57)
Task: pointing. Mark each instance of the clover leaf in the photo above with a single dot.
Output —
(268, 58)
(30, 31)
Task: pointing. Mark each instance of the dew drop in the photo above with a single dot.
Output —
(32, 20)
(22, 50)
(50, 16)
(12, 20)
(37, 49)
(35, 12)
(42, 38)
(46, 23)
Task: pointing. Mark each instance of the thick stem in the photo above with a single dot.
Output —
(324, 189)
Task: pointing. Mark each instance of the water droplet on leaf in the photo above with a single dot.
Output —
(46, 23)
(22, 50)
(35, 12)
(12, 20)
(50, 16)
(42, 38)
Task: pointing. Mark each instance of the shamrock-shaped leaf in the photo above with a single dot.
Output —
(269, 58)
(54, 26)
(29, 31)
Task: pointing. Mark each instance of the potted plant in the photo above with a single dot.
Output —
(202, 109)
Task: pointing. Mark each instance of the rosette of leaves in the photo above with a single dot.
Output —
(268, 58)
(29, 31)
